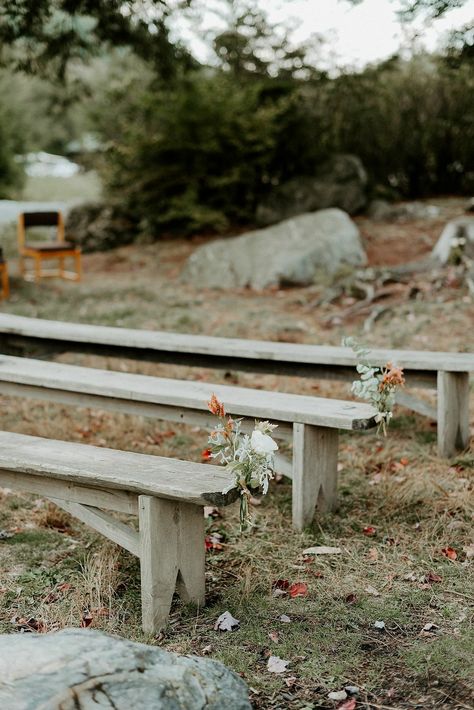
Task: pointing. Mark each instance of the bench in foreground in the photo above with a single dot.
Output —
(446, 372)
(311, 423)
(167, 495)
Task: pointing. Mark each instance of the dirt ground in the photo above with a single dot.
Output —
(404, 525)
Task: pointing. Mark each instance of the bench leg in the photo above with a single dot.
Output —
(453, 412)
(191, 554)
(171, 551)
(314, 472)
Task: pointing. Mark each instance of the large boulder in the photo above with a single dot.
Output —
(456, 238)
(95, 226)
(81, 668)
(383, 211)
(300, 251)
(340, 182)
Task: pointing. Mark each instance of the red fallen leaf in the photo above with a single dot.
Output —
(212, 543)
(369, 531)
(64, 587)
(404, 461)
(280, 584)
(432, 577)
(206, 454)
(348, 704)
(450, 553)
(298, 589)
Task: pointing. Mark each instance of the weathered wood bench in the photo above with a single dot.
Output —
(167, 495)
(446, 372)
(311, 423)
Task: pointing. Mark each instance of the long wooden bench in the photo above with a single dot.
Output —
(446, 372)
(311, 423)
(167, 495)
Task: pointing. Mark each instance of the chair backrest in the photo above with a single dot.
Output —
(40, 219)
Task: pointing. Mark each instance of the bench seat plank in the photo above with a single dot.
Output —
(210, 346)
(240, 401)
(200, 484)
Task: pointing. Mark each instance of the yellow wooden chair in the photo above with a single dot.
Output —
(4, 283)
(40, 251)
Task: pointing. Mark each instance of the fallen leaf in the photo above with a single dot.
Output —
(206, 650)
(450, 553)
(298, 589)
(290, 681)
(431, 577)
(351, 598)
(337, 695)
(379, 625)
(5, 534)
(369, 530)
(371, 590)
(226, 622)
(275, 664)
(284, 619)
(322, 550)
(64, 587)
(274, 636)
(348, 704)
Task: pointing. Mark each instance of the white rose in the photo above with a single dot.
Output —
(262, 443)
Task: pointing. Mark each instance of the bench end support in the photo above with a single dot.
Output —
(314, 472)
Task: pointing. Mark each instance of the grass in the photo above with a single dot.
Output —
(55, 572)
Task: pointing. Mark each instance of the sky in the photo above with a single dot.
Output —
(355, 35)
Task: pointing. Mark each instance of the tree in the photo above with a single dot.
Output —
(40, 35)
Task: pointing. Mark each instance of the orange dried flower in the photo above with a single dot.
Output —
(216, 407)
(393, 376)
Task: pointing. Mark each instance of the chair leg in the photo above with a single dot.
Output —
(37, 267)
(78, 265)
(5, 283)
(22, 266)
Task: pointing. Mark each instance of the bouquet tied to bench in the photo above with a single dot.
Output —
(251, 458)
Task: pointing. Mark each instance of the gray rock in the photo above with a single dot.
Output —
(340, 182)
(456, 238)
(383, 211)
(81, 668)
(98, 227)
(300, 251)
(470, 205)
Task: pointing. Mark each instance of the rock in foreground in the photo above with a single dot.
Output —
(300, 251)
(79, 668)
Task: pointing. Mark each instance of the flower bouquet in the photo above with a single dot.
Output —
(376, 385)
(251, 458)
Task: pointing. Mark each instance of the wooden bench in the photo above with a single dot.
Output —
(311, 423)
(448, 373)
(167, 495)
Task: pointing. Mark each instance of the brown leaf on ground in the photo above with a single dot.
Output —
(369, 530)
(450, 553)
